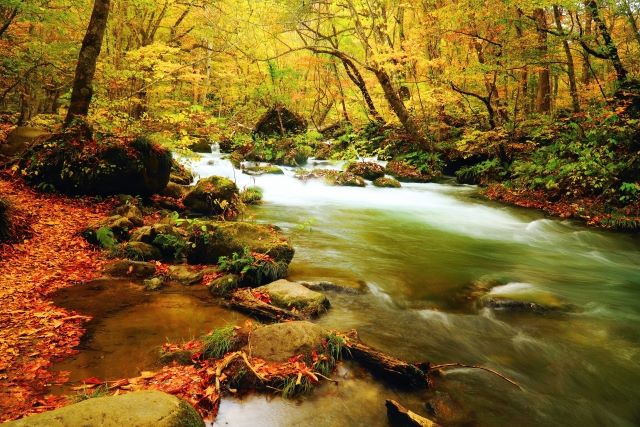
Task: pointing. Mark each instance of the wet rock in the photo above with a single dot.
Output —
(20, 139)
(153, 284)
(185, 275)
(347, 179)
(224, 285)
(202, 145)
(385, 182)
(213, 239)
(140, 408)
(139, 251)
(367, 170)
(179, 357)
(281, 341)
(148, 233)
(262, 170)
(180, 174)
(131, 212)
(323, 286)
(292, 295)
(212, 196)
(399, 416)
(278, 120)
(128, 268)
(405, 172)
(448, 411)
(513, 306)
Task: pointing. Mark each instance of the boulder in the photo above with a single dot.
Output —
(222, 286)
(153, 284)
(404, 172)
(139, 251)
(184, 275)
(180, 174)
(202, 145)
(141, 409)
(347, 179)
(176, 191)
(75, 165)
(386, 182)
(367, 170)
(212, 196)
(148, 233)
(212, 239)
(131, 212)
(128, 268)
(118, 225)
(292, 295)
(278, 120)
(281, 341)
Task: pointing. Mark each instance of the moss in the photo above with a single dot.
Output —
(212, 196)
(219, 342)
(387, 182)
(251, 195)
(367, 170)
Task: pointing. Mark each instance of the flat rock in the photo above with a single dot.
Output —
(128, 268)
(290, 295)
(140, 409)
(184, 275)
(281, 341)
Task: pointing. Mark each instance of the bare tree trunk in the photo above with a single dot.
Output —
(586, 65)
(523, 83)
(398, 107)
(571, 72)
(626, 8)
(543, 94)
(86, 68)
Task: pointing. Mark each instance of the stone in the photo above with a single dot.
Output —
(281, 341)
(153, 284)
(139, 251)
(180, 174)
(184, 275)
(385, 182)
(367, 170)
(127, 268)
(405, 172)
(141, 409)
(212, 196)
(262, 170)
(222, 286)
(175, 191)
(292, 295)
(347, 179)
(131, 212)
(278, 120)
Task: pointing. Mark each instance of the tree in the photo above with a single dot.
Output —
(86, 68)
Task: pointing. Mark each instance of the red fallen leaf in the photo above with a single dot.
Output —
(92, 380)
(261, 296)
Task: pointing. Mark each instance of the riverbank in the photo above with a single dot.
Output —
(35, 332)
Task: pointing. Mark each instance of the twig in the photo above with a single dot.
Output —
(461, 365)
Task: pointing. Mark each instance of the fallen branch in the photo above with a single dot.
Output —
(402, 417)
(243, 300)
(484, 368)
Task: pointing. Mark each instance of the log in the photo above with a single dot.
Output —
(243, 300)
(399, 416)
(387, 367)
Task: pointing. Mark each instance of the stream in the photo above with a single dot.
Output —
(417, 251)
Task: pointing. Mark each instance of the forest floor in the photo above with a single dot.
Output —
(34, 331)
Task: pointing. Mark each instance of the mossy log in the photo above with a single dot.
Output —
(243, 300)
(388, 368)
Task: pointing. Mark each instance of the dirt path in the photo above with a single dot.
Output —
(33, 331)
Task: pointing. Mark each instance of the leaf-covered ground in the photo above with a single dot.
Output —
(34, 331)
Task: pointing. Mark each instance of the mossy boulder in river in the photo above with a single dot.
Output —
(141, 409)
(262, 170)
(214, 195)
(367, 170)
(404, 172)
(212, 239)
(292, 295)
(74, 165)
(386, 182)
(180, 174)
(281, 341)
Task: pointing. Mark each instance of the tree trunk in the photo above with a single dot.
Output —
(586, 65)
(543, 94)
(571, 72)
(632, 19)
(86, 67)
(610, 46)
(398, 107)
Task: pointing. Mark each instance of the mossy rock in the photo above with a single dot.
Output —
(212, 196)
(251, 195)
(281, 341)
(213, 239)
(141, 408)
(278, 120)
(224, 285)
(347, 179)
(185, 275)
(131, 212)
(74, 165)
(367, 170)
(202, 145)
(262, 170)
(404, 172)
(138, 251)
(386, 182)
(117, 224)
(292, 295)
(176, 191)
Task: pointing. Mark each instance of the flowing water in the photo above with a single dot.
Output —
(418, 250)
